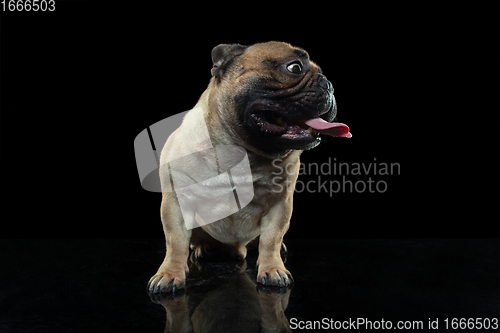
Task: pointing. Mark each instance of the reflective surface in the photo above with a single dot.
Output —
(100, 286)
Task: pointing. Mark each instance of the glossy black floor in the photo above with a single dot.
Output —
(100, 286)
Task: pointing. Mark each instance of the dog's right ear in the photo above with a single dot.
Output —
(223, 55)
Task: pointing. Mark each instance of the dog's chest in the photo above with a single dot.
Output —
(269, 188)
(240, 227)
(244, 225)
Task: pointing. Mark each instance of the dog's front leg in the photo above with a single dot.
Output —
(172, 272)
(273, 227)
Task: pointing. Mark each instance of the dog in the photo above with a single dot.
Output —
(273, 101)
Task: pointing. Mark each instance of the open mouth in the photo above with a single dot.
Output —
(274, 123)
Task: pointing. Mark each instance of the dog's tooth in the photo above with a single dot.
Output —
(309, 130)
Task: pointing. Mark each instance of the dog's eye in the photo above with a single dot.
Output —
(295, 67)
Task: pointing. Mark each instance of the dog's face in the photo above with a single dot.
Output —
(272, 89)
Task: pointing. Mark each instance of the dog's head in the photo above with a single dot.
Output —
(279, 97)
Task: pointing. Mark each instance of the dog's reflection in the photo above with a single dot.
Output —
(223, 297)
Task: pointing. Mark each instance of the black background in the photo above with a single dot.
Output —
(416, 84)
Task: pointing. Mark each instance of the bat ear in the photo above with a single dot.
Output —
(222, 56)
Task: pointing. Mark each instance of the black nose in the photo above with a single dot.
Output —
(324, 83)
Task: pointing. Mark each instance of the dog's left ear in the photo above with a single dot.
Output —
(222, 56)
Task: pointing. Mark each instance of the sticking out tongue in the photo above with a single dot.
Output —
(332, 129)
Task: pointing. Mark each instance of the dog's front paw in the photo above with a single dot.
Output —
(274, 276)
(167, 281)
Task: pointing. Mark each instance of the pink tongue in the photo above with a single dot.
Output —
(332, 129)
